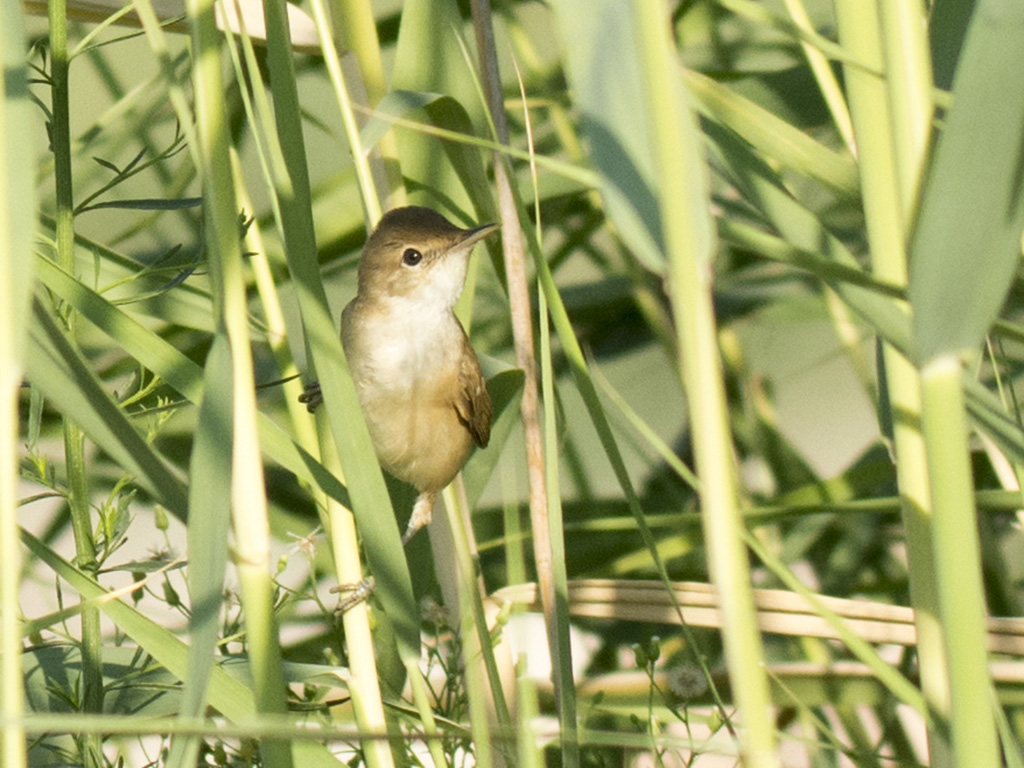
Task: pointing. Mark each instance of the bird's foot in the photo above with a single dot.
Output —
(354, 594)
(312, 396)
(422, 512)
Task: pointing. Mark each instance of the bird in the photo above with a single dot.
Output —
(418, 379)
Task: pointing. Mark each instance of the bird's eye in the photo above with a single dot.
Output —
(411, 257)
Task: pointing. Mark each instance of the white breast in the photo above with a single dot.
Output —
(402, 361)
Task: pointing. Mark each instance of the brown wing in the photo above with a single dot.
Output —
(473, 403)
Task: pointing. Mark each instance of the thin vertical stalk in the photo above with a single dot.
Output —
(361, 160)
(337, 520)
(277, 329)
(907, 64)
(908, 69)
(891, 126)
(567, 704)
(567, 700)
(519, 301)
(687, 229)
(961, 594)
(367, 704)
(74, 439)
(363, 681)
(522, 333)
(527, 753)
(421, 700)
(248, 501)
(352, 447)
(522, 328)
(827, 82)
(356, 29)
(473, 634)
(477, 650)
(12, 702)
(15, 184)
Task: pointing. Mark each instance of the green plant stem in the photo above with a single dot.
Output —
(550, 571)
(356, 29)
(556, 526)
(422, 703)
(588, 390)
(822, 69)
(473, 634)
(689, 242)
(477, 649)
(16, 187)
(336, 518)
(908, 88)
(585, 384)
(368, 494)
(891, 154)
(908, 68)
(12, 702)
(248, 501)
(527, 753)
(567, 705)
(277, 327)
(363, 682)
(961, 594)
(369, 499)
(367, 186)
(74, 439)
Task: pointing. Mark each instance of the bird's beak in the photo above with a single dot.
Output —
(471, 237)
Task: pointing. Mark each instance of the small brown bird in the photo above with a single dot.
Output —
(418, 379)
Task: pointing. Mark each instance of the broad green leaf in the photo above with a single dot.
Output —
(947, 27)
(603, 55)
(965, 248)
(210, 467)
